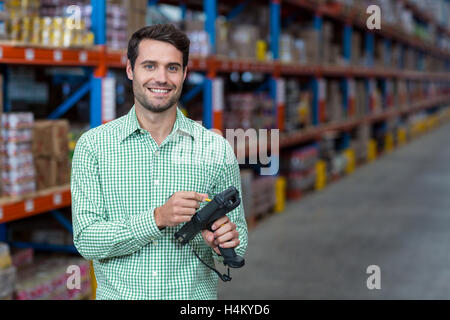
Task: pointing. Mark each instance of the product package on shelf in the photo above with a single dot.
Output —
(361, 108)
(246, 182)
(298, 106)
(334, 109)
(328, 153)
(47, 278)
(243, 41)
(311, 38)
(116, 26)
(360, 144)
(18, 174)
(299, 168)
(249, 110)
(51, 153)
(49, 23)
(258, 193)
(7, 273)
(356, 56)
(195, 30)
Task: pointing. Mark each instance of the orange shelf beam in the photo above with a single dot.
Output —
(44, 56)
(16, 208)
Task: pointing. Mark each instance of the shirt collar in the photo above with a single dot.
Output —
(131, 124)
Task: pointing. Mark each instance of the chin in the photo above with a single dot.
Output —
(157, 109)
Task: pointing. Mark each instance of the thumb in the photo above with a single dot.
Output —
(208, 235)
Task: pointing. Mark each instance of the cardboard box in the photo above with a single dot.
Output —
(243, 41)
(137, 14)
(51, 172)
(46, 172)
(50, 138)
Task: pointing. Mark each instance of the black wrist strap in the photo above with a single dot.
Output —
(222, 277)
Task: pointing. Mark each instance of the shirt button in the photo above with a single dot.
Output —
(156, 182)
(154, 273)
(155, 242)
(156, 153)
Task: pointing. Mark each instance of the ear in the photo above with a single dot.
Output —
(185, 73)
(129, 70)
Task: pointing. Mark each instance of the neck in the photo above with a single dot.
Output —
(159, 125)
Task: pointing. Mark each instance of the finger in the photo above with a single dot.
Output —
(216, 225)
(192, 195)
(182, 218)
(184, 211)
(223, 229)
(229, 236)
(188, 203)
(230, 244)
(208, 236)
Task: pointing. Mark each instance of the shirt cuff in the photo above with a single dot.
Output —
(144, 227)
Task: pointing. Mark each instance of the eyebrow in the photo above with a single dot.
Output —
(155, 62)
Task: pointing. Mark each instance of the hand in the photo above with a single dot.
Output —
(178, 209)
(225, 235)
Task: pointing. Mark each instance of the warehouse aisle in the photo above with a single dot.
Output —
(394, 213)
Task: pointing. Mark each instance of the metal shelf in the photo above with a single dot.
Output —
(29, 55)
(228, 65)
(354, 16)
(291, 139)
(15, 208)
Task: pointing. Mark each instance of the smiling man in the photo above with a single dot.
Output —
(138, 179)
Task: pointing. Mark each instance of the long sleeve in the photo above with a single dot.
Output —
(94, 236)
(229, 175)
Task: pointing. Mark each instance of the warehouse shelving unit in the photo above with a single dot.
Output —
(12, 209)
(100, 59)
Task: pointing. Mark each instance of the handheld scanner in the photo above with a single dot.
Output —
(203, 219)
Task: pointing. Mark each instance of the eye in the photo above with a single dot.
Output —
(173, 68)
(149, 67)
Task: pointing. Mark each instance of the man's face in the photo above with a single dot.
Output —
(158, 75)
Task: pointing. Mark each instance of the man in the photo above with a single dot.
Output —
(137, 179)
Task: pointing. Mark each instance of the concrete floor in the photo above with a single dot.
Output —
(394, 213)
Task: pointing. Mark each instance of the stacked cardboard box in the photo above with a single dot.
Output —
(51, 153)
(136, 14)
(18, 174)
(248, 110)
(243, 41)
(311, 38)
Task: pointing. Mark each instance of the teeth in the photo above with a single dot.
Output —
(159, 90)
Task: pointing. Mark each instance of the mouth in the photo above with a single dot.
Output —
(160, 92)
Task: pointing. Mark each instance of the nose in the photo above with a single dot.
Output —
(161, 76)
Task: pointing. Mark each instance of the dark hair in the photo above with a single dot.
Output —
(161, 32)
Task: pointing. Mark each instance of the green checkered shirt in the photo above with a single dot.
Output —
(119, 176)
